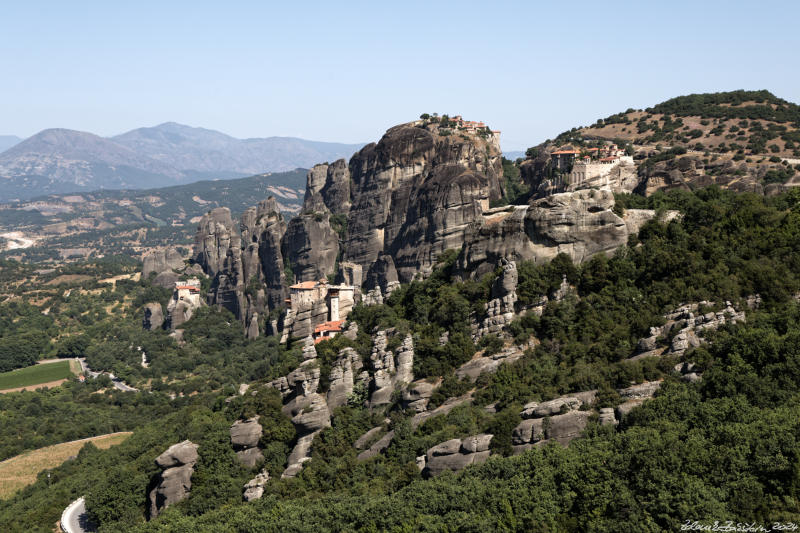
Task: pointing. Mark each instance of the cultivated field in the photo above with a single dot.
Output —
(43, 374)
(20, 471)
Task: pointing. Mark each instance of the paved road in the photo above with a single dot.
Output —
(118, 383)
(74, 518)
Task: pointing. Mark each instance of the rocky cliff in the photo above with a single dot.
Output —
(579, 224)
(174, 482)
(246, 264)
(388, 214)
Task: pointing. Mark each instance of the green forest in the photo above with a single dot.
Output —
(726, 447)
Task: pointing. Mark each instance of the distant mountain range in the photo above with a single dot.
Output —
(62, 160)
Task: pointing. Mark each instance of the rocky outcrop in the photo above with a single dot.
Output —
(262, 229)
(245, 435)
(634, 396)
(408, 198)
(415, 192)
(342, 377)
(307, 409)
(178, 313)
(500, 309)
(331, 185)
(166, 280)
(683, 325)
(254, 489)
(390, 370)
(246, 267)
(691, 172)
(153, 316)
(558, 420)
(252, 329)
(174, 483)
(159, 261)
(559, 428)
(311, 245)
(456, 454)
(214, 240)
(579, 224)
(487, 364)
(417, 395)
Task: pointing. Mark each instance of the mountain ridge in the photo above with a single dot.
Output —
(60, 160)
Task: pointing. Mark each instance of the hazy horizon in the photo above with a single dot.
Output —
(346, 73)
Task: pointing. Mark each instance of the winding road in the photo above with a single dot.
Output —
(74, 519)
(117, 382)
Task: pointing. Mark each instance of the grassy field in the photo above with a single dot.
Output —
(20, 471)
(34, 375)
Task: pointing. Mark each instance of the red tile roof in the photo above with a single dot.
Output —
(304, 286)
(333, 325)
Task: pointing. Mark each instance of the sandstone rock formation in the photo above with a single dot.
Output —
(500, 309)
(175, 481)
(634, 396)
(691, 172)
(342, 377)
(254, 489)
(579, 224)
(307, 408)
(405, 200)
(390, 370)
(246, 267)
(417, 395)
(166, 280)
(153, 316)
(558, 420)
(158, 261)
(311, 245)
(684, 324)
(245, 435)
(687, 172)
(456, 454)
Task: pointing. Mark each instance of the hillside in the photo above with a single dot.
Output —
(741, 140)
(57, 161)
(401, 355)
(127, 221)
(756, 122)
(572, 416)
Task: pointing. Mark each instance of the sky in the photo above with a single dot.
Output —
(347, 71)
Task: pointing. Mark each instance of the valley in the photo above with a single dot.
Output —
(102, 223)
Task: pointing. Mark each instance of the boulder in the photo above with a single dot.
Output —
(153, 316)
(455, 454)
(579, 224)
(550, 408)
(342, 377)
(607, 416)
(477, 443)
(174, 483)
(158, 261)
(250, 457)
(183, 453)
(254, 489)
(166, 280)
(246, 433)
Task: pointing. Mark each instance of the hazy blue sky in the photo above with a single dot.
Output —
(346, 71)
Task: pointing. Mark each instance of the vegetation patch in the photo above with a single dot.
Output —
(21, 471)
(35, 375)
